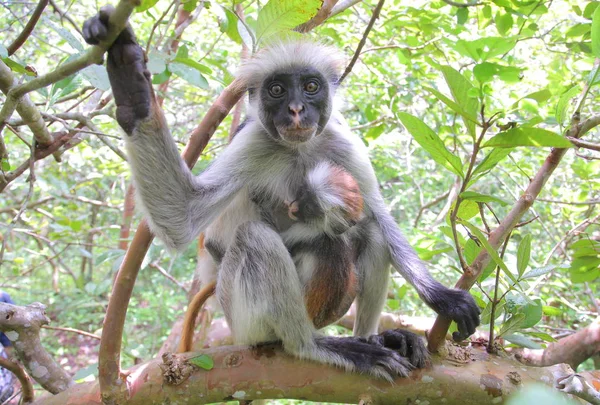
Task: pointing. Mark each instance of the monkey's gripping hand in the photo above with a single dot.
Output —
(126, 65)
(330, 199)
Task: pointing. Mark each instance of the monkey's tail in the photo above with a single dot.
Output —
(189, 323)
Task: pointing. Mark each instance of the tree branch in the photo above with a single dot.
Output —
(22, 326)
(497, 236)
(363, 40)
(584, 144)
(572, 350)
(323, 14)
(28, 29)
(243, 374)
(26, 385)
(26, 108)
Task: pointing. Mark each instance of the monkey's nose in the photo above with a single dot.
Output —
(295, 108)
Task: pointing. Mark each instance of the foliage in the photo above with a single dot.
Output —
(466, 99)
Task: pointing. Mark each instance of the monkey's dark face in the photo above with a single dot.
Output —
(295, 105)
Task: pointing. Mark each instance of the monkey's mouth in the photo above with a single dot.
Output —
(297, 135)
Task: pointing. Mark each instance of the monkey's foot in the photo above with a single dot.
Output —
(129, 78)
(358, 355)
(406, 344)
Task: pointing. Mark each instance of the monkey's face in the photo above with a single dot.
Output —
(295, 105)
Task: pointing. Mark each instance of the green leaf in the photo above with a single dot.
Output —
(17, 67)
(563, 104)
(471, 195)
(232, 25)
(538, 272)
(533, 313)
(512, 324)
(486, 71)
(523, 254)
(588, 12)
(596, 33)
(161, 77)
(65, 34)
(203, 361)
(491, 251)
(454, 106)
(97, 76)
(5, 164)
(193, 64)
(504, 22)
(462, 15)
(527, 136)
(541, 335)
(145, 5)
(483, 49)
(157, 62)
(486, 314)
(489, 162)
(429, 140)
(283, 15)
(522, 341)
(189, 74)
(190, 5)
(460, 88)
(586, 268)
(551, 311)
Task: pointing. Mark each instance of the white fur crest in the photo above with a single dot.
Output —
(281, 56)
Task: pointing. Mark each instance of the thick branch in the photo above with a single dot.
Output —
(28, 29)
(22, 326)
(572, 350)
(240, 373)
(19, 372)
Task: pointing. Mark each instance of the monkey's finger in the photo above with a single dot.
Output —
(293, 208)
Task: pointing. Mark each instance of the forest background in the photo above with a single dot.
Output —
(463, 107)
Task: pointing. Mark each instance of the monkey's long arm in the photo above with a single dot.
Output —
(177, 204)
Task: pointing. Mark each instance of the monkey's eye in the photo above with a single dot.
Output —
(276, 90)
(311, 87)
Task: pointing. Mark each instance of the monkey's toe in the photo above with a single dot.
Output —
(406, 344)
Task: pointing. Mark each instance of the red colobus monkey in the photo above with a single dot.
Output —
(281, 278)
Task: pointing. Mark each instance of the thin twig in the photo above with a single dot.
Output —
(584, 144)
(79, 332)
(589, 202)
(429, 205)
(363, 40)
(462, 5)
(162, 271)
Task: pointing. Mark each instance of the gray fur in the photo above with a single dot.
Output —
(239, 203)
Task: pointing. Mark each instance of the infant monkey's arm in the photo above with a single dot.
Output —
(330, 198)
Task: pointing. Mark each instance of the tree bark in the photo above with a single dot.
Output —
(473, 377)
